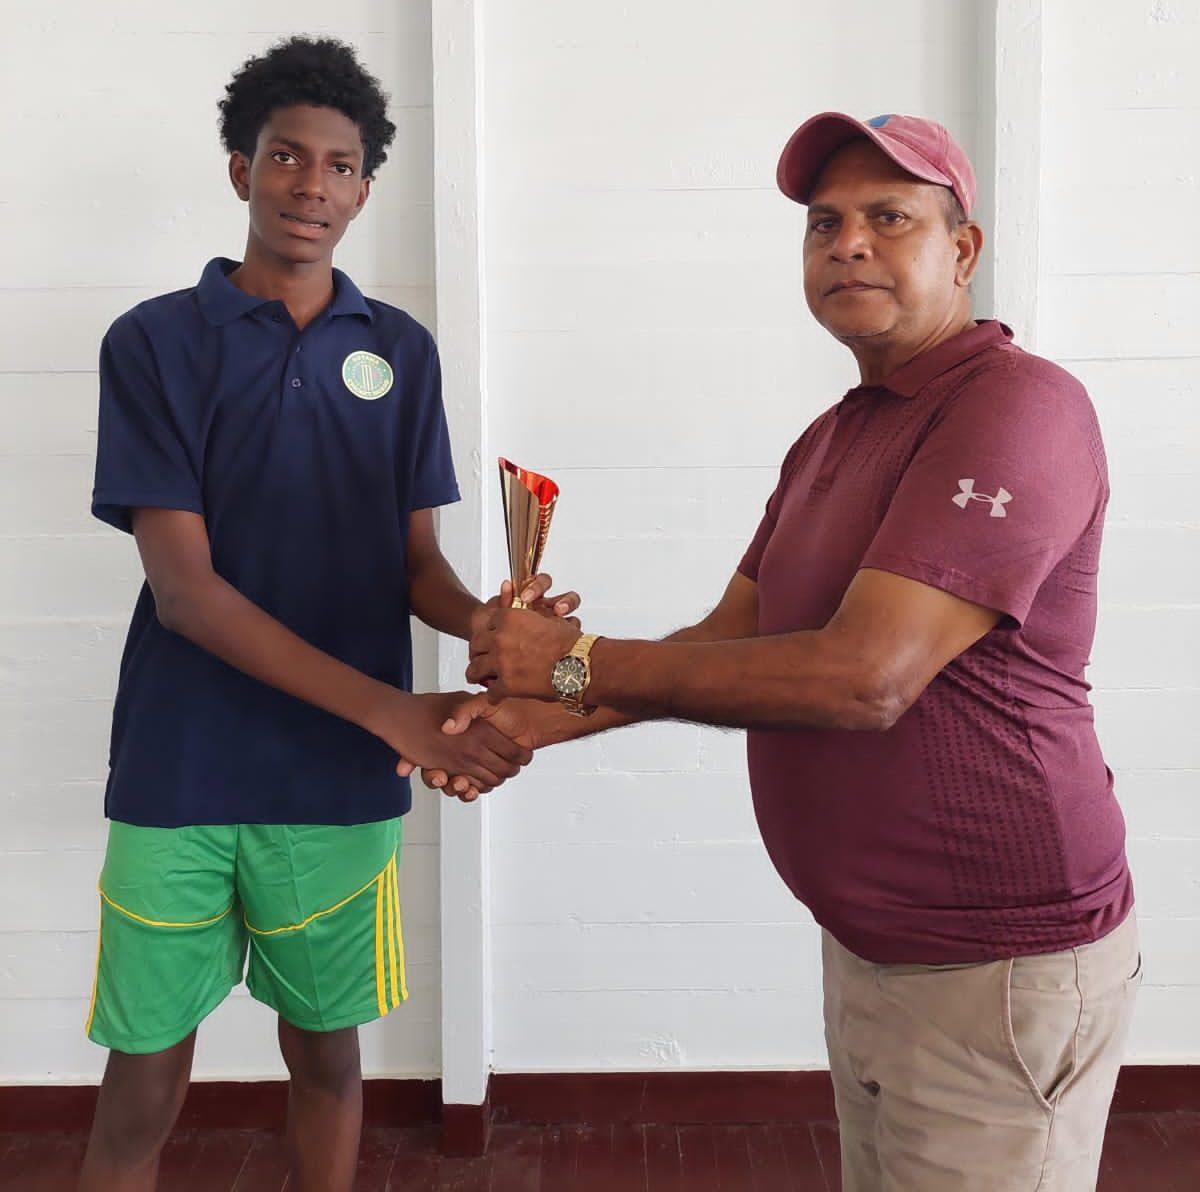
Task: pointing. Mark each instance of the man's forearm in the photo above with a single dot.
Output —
(798, 680)
(558, 725)
(555, 725)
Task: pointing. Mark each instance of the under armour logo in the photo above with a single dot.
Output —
(967, 493)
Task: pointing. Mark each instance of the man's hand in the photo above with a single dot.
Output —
(513, 653)
(413, 725)
(517, 720)
(534, 598)
(472, 708)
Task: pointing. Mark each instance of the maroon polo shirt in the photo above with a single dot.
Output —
(983, 823)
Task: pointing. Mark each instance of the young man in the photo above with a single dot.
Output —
(276, 443)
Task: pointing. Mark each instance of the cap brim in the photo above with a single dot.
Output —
(821, 136)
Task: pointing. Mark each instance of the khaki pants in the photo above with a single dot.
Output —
(992, 1077)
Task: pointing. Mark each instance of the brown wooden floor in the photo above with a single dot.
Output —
(1143, 1153)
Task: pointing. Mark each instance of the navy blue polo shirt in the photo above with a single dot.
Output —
(305, 451)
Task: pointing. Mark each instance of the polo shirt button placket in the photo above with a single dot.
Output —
(297, 382)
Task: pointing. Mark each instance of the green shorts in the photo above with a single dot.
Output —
(316, 906)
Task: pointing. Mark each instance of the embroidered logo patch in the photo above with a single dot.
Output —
(366, 375)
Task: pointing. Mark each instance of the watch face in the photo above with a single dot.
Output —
(570, 677)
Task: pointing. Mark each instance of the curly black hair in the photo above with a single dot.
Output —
(323, 72)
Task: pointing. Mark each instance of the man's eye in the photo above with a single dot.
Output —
(892, 217)
(821, 225)
(345, 170)
(279, 154)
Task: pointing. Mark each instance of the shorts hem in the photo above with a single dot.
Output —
(161, 1041)
(317, 1026)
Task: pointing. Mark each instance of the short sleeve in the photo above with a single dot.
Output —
(141, 454)
(998, 493)
(434, 482)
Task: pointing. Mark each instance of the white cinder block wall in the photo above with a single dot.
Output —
(647, 343)
(1120, 307)
(114, 190)
(649, 347)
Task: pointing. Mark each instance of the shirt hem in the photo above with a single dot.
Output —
(225, 822)
(1087, 925)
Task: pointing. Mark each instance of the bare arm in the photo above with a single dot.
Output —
(435, 593)
(876, 655)
(193, 601)
(733, 619)
(537, 724)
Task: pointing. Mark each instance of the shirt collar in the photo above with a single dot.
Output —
(221, 301)
(348, 299)
(909, 379)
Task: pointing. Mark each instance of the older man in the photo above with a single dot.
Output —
(905, 640)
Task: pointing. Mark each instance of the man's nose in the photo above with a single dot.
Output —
(310, 182)
(852, 242)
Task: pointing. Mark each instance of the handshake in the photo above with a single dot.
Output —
(467, 744)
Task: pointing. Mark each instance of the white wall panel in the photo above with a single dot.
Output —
(645, 341)
(1120, 307)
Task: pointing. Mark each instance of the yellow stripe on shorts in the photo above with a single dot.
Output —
(391, 922)
(380, 976)
(337, 906)
(399, 928)
(162, 922)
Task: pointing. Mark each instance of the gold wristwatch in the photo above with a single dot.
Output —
(572, 673)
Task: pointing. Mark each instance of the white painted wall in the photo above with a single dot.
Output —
(1120, 307)
(638, 332)
(114, 189)
(649, 347)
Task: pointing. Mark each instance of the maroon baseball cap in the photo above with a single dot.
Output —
(922, 147)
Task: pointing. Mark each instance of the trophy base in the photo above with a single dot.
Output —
(517, 602)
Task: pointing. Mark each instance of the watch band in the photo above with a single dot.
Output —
(583, 646)
(582, 650)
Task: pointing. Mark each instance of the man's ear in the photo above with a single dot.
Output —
(968, 243)
(364, 193)
(239, 175)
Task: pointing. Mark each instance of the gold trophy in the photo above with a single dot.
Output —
(529, 501)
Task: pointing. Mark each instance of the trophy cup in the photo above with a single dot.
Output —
(529, 501)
